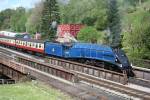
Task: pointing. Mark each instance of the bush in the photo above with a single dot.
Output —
(89, 34)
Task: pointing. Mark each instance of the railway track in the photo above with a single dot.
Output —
(74, 66)
(142, 75)
(23, 68)
(114, 86)
(85, 73)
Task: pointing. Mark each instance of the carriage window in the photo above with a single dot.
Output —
(23, 43)
(30, 44)
(36, 45)
(39, 45)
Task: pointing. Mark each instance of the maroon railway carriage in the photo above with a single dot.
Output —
(7, 41)
(25, 44)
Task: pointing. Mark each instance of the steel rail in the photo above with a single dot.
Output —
(114, 86)
(73, 66)
(50, 69)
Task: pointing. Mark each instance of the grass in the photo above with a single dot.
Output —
(30, 91)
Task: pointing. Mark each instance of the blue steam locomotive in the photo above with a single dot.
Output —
(93, 54)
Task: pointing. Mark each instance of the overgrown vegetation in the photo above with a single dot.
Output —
(124, 23)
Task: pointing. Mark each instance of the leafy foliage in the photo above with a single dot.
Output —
(137, 39)
(50, 13)
(18, 20)
(13, 20)
(33, 23)
(89, 12)
(88, 34)
(5, 17)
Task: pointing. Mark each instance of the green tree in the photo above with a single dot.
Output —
(136, 40)
(18, 20)
(34, 20)
(5, 18)
(114, 23)
(89, 21)
(89, 12)
(50, 13)
(88, 34)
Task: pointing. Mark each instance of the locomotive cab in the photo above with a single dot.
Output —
(123, 62)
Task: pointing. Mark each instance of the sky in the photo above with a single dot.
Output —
(17, 3)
